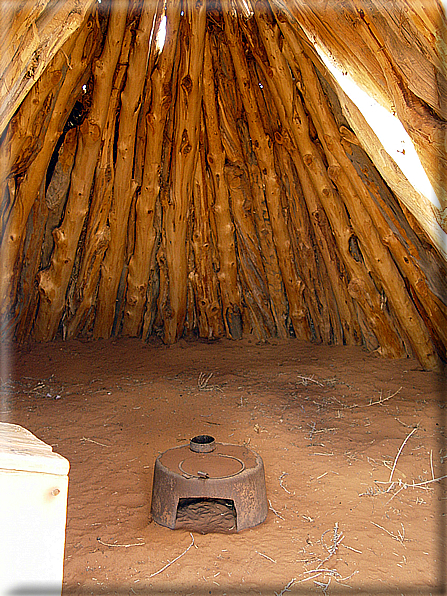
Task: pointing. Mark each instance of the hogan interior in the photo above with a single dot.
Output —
(201, 235)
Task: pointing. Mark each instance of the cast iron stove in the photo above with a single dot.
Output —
(205, 469)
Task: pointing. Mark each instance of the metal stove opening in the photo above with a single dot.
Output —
(206, 515)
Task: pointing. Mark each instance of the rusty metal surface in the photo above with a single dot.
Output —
(226, 472)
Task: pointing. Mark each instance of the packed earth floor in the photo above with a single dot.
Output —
(353, 448)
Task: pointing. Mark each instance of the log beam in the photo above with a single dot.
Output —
(124, 184)
(53, 282)
(29, 44)
(368, 222)
(184, 157)
(142, 261)
(228, 282)
(259, 235)
(67, 83)
(297, 123)
(264, 153)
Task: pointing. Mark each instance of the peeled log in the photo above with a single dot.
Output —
(293, 111)
(395, 51)
(53, 282)
(217, 187)
(264, 154)
(366, 219)
(239, 155)
(68, 87)
(142, 261)
(184, 154)
(203, 277)
(36, 41)
(231, 300)
(124, 185)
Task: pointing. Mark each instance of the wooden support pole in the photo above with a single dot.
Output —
(124, 185)
(67, 83)
(258, 236)
(83, 295)
(325, 320)
(264, 153)
(44, 217)
(35, 41)
(53, 282)
(252, 274)
(228, 282)
(421, 122)
(369, 224)
(184, 157)
(25, 133)
(158, 284)
(296, 122)
(343, 326)
(337, 274)
(202, 276)
(142, 261)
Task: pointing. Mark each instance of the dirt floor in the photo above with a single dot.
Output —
(353, 448)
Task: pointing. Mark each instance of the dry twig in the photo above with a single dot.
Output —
(400, 536)
(202, 383)
(307, 380)
(431, 464)
(399, 452)
(381, 400)
(332, 549)
(281, 484)
(402, 486)
(323, 586)
(95, 442)
(120, 545)
(286, 588)
(169, 563)
(312, 430)
(274, 510)
(265, 556)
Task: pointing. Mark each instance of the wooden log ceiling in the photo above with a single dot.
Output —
(215, 187)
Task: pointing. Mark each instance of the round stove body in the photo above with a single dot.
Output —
(208, 470)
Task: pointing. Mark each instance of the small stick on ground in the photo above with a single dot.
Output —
(265, 556)
(381, 400)
(174, 560)
(343, 579)
(323, 586)
(274, 511)
(306, 579)
(400, 537)
(417, 484)
(399, 452)
(281, 484)
(354, 549)
(202, 382)
(286, 588)
(95, 442)
(323, 571)
(405, 485)
(332, 549)
(120, 545)
(431, 464)
(306, 380)
(312, 430)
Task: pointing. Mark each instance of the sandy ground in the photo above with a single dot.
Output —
(328, 422)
